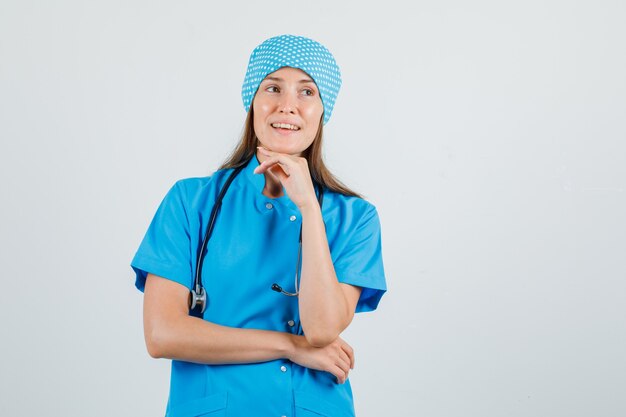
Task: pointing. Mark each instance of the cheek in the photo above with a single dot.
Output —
(261, 106)
(314, 112)
(260, 113)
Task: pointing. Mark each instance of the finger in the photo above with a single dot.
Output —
(350, 352)
(283, 158)
(279, 171)
(344, 361)
(340, 374)
(274, 169)
(343, 364)
(268, 152)
(269, 163)
(263, 166)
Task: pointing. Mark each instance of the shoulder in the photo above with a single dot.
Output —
(196, 184)
(355, 204)
(195, 189)
(348, 211)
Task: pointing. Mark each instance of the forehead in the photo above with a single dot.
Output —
(289, 74)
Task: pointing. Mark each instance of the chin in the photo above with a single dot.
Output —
(289, 152)
(282, 149)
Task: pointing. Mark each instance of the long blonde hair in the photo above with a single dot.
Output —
(247, 147)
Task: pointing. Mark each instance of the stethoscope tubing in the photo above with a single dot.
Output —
(198, 297)
(198, 294)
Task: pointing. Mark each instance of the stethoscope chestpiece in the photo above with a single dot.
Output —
(197, 302)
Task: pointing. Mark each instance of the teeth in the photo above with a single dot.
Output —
(285, 126)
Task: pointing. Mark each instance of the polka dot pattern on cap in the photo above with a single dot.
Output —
(296, 52)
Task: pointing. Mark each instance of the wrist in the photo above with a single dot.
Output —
(292, 346)
(288, 347)
(310, 208)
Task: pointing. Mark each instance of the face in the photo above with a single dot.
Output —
(287, 111)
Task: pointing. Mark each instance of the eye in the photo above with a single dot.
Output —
(272, 89)
(308, 92)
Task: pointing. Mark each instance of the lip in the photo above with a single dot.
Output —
(287, 122)
(285, 131)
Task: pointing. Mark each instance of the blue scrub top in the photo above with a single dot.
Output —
(255, 244)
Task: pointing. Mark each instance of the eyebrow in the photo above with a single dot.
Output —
(305, 80)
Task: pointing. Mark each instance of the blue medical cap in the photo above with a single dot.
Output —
(296, 52)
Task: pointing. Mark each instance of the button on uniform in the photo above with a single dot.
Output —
(283, 368)
(269, 206)
(291, 323)
(292, 218)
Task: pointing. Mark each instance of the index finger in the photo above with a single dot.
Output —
(283, 158)
(269, 164)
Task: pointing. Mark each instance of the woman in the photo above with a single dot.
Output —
(264, 345)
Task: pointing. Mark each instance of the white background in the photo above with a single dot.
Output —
(489, 134)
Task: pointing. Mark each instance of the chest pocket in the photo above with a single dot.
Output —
(211, 406)
(308, 405)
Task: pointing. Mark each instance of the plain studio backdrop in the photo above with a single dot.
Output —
(490, 135)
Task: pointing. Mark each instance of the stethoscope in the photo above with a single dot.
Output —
(198, 297)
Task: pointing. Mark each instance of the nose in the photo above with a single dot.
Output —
(287, 104)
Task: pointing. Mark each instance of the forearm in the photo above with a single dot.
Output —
(195, 340)
(326, 306)
(324, 310)
(171, 333)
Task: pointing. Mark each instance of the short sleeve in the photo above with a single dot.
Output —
(166, 248)
(360, 261)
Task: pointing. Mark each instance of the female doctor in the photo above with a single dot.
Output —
(292, 255)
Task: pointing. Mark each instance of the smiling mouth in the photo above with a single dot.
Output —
(285, 126)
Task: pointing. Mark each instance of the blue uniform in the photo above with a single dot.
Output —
(255, 244)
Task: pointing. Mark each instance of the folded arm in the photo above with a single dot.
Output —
(171, 333)
(326, 305)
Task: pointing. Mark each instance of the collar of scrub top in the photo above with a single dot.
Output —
(198, 297)
(258, 182)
